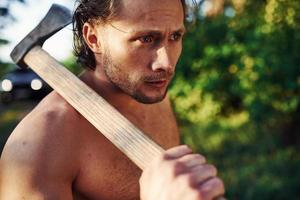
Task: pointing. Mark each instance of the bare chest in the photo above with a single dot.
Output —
(106, 173)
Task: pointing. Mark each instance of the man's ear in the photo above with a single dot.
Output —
(90, 36)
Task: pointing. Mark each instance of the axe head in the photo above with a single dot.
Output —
(57, 18)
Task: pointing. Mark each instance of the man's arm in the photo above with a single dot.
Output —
(178, 174)
(39, 159)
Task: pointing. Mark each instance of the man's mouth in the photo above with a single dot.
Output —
(157, 83)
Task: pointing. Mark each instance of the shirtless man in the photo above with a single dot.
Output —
(130, 49)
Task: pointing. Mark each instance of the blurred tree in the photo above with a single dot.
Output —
(237, 96)
(72, 65)
(3, 66)
(5, 18)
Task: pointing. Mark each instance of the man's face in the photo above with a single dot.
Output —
(141, 46)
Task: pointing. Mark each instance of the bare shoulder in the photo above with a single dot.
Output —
(52, 119)
(46, 140)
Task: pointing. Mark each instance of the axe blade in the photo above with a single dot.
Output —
(57, 18)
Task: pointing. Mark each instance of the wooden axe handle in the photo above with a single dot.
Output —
(114, 126)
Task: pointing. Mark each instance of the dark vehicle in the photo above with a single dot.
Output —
(22, 84)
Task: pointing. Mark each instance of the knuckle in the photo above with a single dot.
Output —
(179, 167)
(212, 169)
(214, 187)
(164, 156)
(218, 184)
(177, 152)
(186, 147)
(192, 160)
(200, 157)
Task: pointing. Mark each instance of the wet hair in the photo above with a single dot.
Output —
(91, 11)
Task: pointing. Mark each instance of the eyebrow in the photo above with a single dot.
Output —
(181, 30)
(156, 32)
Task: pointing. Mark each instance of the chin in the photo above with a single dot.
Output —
(149, 99)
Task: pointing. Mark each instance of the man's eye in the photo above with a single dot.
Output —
(146, 39)
(175, 36)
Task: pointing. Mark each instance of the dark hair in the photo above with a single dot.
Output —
(88, 11)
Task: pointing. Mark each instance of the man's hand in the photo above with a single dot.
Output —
(179, 174)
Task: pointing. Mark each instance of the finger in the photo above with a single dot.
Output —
(177, 152)
(201, 173)
(212, 189)
(192, 160)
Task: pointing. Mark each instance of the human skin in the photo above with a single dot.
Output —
(143, 44)
(54, 153)
(179, 174)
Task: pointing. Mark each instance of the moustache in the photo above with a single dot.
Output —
(158, 76)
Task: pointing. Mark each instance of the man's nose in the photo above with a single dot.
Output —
(162, 60)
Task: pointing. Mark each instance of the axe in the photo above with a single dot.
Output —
(114, 126)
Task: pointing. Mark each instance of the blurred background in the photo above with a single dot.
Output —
(236, 93)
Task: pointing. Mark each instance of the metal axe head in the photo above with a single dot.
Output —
(57, 18)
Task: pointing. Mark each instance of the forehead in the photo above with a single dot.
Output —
(154, 14)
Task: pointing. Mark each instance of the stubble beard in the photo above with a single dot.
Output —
(128, 83)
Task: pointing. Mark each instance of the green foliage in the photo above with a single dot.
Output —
(237, 92)
(72, 65)
(4, 67)
(236, 95)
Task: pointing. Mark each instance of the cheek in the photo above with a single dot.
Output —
(132, 59)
